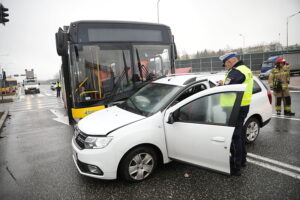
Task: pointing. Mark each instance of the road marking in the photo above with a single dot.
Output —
(40, 95)
(19, 92)
(276, 169)
(284, 117)
(60, 117)
(294, 91)
(35, 109)
(274, 162)
(36, 106)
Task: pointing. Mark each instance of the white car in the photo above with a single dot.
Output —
(178, 117)
(265, 75)
(52, 85)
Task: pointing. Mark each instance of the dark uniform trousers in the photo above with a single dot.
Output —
(238, 144)
(58, 91)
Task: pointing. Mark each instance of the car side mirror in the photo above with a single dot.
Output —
(170, 119)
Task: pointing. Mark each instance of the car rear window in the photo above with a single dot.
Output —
(256, 87)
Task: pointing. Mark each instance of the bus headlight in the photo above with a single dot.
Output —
(96, 142)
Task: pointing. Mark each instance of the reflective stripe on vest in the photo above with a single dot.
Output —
(248, 91)
(247, 97)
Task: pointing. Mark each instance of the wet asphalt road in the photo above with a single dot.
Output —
(36, 162)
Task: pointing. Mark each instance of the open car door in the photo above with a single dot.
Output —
(199, 128)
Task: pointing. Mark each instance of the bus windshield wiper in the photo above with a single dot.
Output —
(139, 64)
(125, 68)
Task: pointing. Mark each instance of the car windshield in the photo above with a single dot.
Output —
(150, 98)
(267, 64)
(31, 83)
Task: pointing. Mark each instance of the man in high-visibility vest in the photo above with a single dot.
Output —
(237, 73)
(278, 81)
(58, 87)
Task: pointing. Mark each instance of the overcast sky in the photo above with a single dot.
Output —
(28, 39)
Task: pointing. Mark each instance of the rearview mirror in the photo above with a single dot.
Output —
(170, 119)
(61, 38)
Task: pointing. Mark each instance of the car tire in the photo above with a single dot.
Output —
(138, 164)
(252, 128)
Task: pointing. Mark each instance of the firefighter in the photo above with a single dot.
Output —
(237, 73)
(278, 81)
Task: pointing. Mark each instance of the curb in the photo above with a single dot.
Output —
(3, 118)
(294, 87)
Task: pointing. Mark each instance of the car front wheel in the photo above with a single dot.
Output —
(138, 164)
(252, 130)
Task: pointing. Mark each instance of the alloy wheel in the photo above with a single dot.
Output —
(141, 166)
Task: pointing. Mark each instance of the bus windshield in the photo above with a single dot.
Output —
(103, 70)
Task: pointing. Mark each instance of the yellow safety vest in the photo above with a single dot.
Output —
(227, 100)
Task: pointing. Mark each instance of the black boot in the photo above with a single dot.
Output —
(235, 172)
(289, 113)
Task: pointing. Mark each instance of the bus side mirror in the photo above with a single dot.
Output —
(61, 42)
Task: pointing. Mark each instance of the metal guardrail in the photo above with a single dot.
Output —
(213, 64)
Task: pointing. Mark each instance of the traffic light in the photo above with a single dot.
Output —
(3, 14)
(4, 75)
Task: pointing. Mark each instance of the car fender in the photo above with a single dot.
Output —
(146, 131)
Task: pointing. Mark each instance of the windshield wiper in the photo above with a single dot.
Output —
(118, 83)
(139, 64)
(135, 106)
(126, 68)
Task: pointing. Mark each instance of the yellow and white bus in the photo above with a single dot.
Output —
(107, 61)
(9, 86)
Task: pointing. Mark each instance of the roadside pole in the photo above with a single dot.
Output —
(1, 83)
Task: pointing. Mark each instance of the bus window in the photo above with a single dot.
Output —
(98, 69)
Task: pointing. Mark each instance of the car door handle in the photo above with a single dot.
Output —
(218, 139)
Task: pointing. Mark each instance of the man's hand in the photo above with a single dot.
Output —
(220, 82)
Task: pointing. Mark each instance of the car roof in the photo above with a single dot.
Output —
(186, 79)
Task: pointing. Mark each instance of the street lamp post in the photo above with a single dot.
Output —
(158, 11)
(287, 29)
(243, 44)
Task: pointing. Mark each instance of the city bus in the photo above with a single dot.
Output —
(10, 86)
(104, 62)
